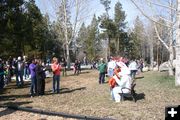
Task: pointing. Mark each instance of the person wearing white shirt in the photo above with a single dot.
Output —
(133, 66)
(111, 67)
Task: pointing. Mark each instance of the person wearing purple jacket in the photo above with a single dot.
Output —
(32, 67)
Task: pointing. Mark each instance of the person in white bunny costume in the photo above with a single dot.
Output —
(124, 81)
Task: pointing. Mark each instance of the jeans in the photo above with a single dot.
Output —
(26, 72)
(33, 85)
(133, 74)
(56, 83)
(110, 72)
(101, 78)
(19, 74)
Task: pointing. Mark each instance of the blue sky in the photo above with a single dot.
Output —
(94, 6)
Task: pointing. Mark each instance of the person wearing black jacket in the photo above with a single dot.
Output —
(1, 74)
(63, 65)
(40, 77)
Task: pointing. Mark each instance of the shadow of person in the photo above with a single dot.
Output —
(140, 96)
(8, 105)
(13, 97)
(65, 90)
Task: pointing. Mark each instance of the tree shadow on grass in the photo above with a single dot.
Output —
(139, 77)
(13, 85)
(72, 90)
(8, 111)
(82, 72)
(13, 97)
(65, 90)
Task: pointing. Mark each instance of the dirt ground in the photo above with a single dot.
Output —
(83, 95)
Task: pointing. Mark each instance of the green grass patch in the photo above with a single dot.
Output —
(159, 79)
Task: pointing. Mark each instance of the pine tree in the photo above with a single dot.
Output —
(139, 35)
(119, 19)
(92, 37)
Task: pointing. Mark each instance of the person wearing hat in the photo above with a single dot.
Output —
(19, 72)
(122, 80)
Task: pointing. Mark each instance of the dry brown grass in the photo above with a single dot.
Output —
(83, 95)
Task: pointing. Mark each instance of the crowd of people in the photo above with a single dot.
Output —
(121, 73)
(33, 69)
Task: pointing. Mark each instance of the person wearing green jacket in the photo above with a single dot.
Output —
(102, 71)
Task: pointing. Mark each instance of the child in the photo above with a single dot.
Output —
(112, 81)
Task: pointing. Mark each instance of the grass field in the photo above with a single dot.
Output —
(83, 95)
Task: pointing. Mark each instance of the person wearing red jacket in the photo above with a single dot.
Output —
(112, 81)
(56, 68)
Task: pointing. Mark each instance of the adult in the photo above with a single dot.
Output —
(112, 81)
(19, 72)
(14, 66)
(63, 65)
(79, 66)
(76, 70)
(133, 66)
(85, 60)
(40, 77)
(26, 68)
(7, 74)
(141, 65)
(102, 67)
(32, 67)
(111, 67)
(1, 74)
(10, 62)
(123, 80)
(56, 67)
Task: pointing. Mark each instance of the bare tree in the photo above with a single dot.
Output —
(177, 75)
(71, 14)
(171, 23)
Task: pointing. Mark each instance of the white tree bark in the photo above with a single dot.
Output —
(68, 39)
(170, 48)
(177, 74)
(66, 33)
(171, 52)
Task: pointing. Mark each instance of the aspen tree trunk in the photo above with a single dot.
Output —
(151, 55)
(177, 75)
(171, 53)
(66, 35)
